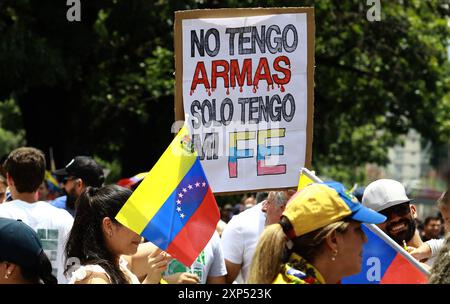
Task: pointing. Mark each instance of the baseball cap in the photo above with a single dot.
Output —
(83, 167)
(320, 204)
(19, 243)
(384, 193)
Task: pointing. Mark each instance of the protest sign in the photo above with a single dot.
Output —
(244, 85)
(383, 260)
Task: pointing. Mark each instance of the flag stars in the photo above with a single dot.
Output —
(180, 195)
(203, 184)
(190, 187)
(178, 209)
(184, 190)
(197, 184)
(182, 215)
(178, 202)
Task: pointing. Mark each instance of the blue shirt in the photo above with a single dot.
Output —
(60, 202)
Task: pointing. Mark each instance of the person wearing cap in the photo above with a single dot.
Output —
(79, 173)
(440, 272)
(22, 258)
(318, 239)
(25, 171)
(240, 236)
(388, 197)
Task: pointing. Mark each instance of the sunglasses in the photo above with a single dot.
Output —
(400, 210)
(68, 178)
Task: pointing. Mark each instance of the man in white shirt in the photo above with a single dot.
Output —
(389, 198)
(25, 169)
(241, 235)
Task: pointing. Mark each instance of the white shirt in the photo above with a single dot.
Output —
(240, 237)
(209, 263)
(52, 225)
(79, 273)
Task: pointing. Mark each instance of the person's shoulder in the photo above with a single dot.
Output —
(93, 278)
(88, 274)
(4, 210)
(7, 208)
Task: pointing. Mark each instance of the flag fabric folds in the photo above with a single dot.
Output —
(306, 178)
(174, 207)
(382, 264)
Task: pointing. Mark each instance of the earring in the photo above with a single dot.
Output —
(334, 254)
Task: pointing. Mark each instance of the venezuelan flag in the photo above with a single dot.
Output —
(174, 207)
(383, 263)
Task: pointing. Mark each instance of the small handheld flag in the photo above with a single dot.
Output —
(174, 207)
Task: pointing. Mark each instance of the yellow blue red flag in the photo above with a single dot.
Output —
(174, 207)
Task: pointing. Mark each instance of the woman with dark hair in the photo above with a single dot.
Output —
(22, 259)
(98, 244)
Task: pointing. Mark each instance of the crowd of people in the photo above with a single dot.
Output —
(312, 236)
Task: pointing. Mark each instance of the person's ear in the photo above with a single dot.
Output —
(413, 211)
(107, 226)
(265, 205)
(331, 242)
(80, 186)
(9, 180)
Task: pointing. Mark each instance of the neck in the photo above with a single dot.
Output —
(29, 197)
(416, 241)
(327, 269)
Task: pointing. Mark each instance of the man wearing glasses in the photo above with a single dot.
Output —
(79, 173)
(389, 198)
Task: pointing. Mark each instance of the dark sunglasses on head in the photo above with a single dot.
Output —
(400, 210)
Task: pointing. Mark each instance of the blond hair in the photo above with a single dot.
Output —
(272, 253)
